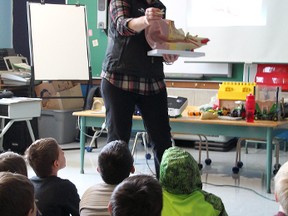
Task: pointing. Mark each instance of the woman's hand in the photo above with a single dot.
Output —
(170, 59)
(140, 23)
(153, 14)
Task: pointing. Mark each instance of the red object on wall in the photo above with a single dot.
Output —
(272, 75)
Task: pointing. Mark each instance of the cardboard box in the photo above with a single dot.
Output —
(60, 90)
(62, 85)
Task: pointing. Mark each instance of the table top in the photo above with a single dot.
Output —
(196, 119)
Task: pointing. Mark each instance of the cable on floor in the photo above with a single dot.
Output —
(99, 132)
(240, 187)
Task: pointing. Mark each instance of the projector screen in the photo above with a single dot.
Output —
(240, 31)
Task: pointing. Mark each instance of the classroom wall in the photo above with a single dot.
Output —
(196, 97)
(5, 24)
(97, 37)
(98, 42)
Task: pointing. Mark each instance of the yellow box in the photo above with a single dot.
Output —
(235, 90)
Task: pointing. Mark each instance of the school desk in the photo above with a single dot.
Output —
(194, 125)
(18, 109)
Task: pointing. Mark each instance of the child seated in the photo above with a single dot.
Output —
(115, 163)
(139, 195)
(182, 187)
(13, 162)
(281, 189)
(16, 195)
(55, 196)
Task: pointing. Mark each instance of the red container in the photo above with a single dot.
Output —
(250, 108)
(272, 75)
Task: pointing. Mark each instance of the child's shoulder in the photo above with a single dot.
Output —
(213, 200)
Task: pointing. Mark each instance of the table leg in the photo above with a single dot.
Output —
(30, 130)
(82, 142)
(2, 124)
(268, 159)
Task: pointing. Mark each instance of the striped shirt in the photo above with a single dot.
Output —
(119, 10)
(138, 85)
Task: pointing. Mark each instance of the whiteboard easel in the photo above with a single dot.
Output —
(58, 41)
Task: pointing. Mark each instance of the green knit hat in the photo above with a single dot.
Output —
(179, 172)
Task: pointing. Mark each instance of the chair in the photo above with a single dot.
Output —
(145, 141)
(97, 105)
(208, 161)
(276, 141)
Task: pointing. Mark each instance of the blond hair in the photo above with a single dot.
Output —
(281, 187)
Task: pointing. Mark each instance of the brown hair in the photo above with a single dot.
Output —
(139, 195)
(16, 194)
(115, 162)
(13, 162)
(41, 155)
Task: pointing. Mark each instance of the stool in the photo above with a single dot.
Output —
(144, 140)
(208, 161)
(97, 133)
(257, 142)
(144, 135)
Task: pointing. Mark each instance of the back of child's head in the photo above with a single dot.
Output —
(115, 162)
(16, 195)
(281, 187)
(13, 162)
(138, 195)
(179, 172)
(41, 155)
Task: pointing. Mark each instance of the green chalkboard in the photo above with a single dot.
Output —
(97, 37)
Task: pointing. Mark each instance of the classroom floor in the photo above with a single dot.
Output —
(244, 194)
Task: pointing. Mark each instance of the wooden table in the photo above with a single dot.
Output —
(194, 125)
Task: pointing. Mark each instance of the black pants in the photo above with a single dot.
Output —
(120, 106)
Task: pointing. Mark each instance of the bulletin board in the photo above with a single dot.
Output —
(59, 47)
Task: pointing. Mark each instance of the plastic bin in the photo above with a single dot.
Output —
(59, 124)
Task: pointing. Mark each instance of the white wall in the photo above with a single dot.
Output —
(196, 97)
(5, 24)
(239, 31)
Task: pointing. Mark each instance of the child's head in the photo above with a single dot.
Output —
(45, 157)
(115, 162)
(179, 172)
(139, 195)
(281, 187)
(16, 195)
(13, 162)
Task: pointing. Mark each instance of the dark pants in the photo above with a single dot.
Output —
(120, 106)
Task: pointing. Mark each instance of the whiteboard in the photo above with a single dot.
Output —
(58, 41)
(240, 31)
